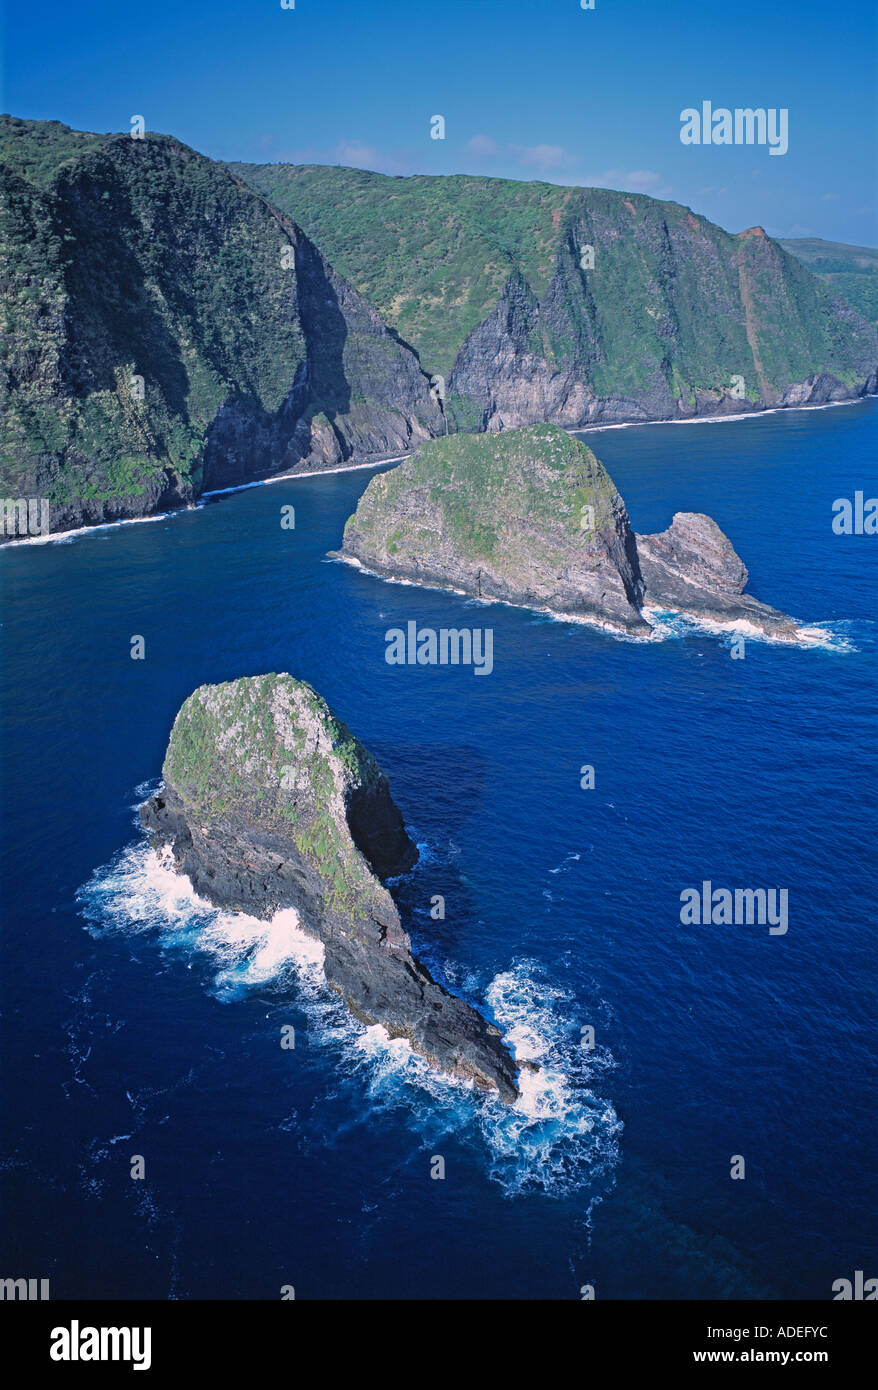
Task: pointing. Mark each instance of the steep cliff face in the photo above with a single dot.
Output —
(531, 517)
(269, 802)
(167, 332)
(579, 305)
(748, 331)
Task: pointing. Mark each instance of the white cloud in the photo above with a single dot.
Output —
(542, 157)
(630, 181)
(482, 146)
(357, 154)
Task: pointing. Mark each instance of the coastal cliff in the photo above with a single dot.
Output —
(532, 517)
(169, 332)
(579, 305)
(269, 802)
(176, 326)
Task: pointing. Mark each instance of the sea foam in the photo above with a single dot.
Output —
(557, 1138)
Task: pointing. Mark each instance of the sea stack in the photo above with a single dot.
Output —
(532, 517)
(270, 802)
(528, 516)
(693, 568)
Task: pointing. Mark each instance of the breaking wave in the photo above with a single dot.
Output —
(667, 624)
(558, 1138)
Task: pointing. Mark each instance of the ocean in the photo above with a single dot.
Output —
(140, 1023)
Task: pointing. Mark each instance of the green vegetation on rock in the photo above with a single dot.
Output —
(529, 516)
(129, 259)
(673, 304)
(852, 271)
(168, 326)
(161, 321)
(269, 749)
(540, 474)
(432, 254)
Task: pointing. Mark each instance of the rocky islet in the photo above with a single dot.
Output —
(269, 803)
(531, 517)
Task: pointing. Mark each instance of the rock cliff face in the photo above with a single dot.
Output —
(169, 332)
(508, 374)
(531, 517)
(579, 305)
(528, 516)
(693, 568)
(269, 802)
(174, 325)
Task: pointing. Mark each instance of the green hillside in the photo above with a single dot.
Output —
(852, 271)
(432, 254)
(672, 310)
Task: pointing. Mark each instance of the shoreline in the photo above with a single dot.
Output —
(807, 634)
(724, 419)
(58, 537)
(291, 477)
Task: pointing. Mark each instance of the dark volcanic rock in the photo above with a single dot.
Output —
(693, 567)
(270, 803)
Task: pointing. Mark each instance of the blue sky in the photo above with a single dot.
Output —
(539, 89)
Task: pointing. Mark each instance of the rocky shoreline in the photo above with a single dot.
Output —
(168, 492)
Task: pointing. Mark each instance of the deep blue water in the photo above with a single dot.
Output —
(136, 1024)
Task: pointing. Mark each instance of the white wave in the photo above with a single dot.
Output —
(142, 892)
(571, 858)
(830, 637)
(339, 558)
(487, 600)
(62, 537)
(665, 623)
(722, 419)
(295, 477)
(672, 623)
(557, 1138)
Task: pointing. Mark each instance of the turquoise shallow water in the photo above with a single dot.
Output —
(139, 1022)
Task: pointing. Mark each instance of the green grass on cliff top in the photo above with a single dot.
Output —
(852, 271)
(540, 474)
(433, 253)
